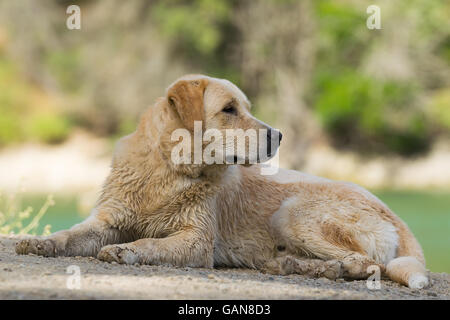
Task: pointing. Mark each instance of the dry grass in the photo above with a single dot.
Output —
(16, 220)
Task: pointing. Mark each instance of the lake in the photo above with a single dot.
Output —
(426, 213)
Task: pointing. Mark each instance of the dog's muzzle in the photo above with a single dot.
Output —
(273, 141)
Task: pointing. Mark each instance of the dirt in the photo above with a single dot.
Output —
(36, 277)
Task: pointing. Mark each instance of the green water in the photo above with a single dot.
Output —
(426, 213)
(428, 216)
(62, 215)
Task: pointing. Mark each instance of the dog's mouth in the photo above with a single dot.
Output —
(237, 160)
(267, 157)
(234, 160)
(261, 157)
(273, 142)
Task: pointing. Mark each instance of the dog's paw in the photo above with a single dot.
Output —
(283, 266)
(359, 267)
(119, 254)
(272, 267)
(46, 248)
(333, 269)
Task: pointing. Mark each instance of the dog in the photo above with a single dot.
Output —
(154, 211)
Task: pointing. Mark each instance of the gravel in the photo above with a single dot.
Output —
(36, 277)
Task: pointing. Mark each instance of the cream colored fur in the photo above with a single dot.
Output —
(152, 211)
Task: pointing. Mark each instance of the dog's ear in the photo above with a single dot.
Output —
(187, 98)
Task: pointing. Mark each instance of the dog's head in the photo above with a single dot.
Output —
(215, 114)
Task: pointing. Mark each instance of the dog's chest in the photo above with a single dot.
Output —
(172, 214)
(158, 223)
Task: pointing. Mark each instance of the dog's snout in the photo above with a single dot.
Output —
(272, 133)
(275, 136)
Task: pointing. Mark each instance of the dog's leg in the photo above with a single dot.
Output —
(355, 265)
(305, 228)
(186, 248)
(84, 239)
(331, 269)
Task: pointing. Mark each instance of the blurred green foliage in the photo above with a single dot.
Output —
(19, 120)
(11, 103)
(440, 108)
(361, 111)
(64, 65)
(200, 31)
(357, 108)
(48, 128)
(196, 24)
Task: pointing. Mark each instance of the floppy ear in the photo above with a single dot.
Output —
(187, 97)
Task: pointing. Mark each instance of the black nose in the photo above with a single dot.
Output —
(272, 134)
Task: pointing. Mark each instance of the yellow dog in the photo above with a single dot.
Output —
(155, 211)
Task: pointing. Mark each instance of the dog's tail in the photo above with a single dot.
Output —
(408, 267)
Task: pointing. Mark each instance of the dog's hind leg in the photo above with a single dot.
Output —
(354, 265)
(331, 269)
(322, 231)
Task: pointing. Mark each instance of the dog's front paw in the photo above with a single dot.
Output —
(119, 254)
(40, 247)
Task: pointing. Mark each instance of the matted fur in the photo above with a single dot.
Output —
(152, 211)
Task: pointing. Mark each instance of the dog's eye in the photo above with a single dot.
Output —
(229, 108)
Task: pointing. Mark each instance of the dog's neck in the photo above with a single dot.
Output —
(142, 171)
(143, 176)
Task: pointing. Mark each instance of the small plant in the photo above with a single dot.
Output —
(13, 218)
